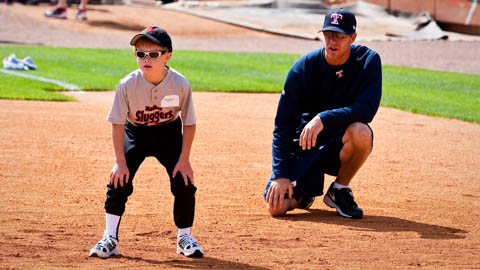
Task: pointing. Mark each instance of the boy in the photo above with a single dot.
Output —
(145, 122)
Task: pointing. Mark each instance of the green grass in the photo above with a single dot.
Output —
(428, 92)
(234, 72)
(435, 93)
(13, 87)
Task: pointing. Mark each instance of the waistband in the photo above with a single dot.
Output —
(164, 125)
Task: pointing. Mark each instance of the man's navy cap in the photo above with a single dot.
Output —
(340, 20)
(156, 35)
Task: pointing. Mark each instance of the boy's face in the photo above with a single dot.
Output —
(152, 65)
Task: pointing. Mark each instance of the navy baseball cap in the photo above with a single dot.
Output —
(156, 35)
(340, 20)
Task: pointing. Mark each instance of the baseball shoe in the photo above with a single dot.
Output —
(12, 62)
(342, 201)
(105, 248)
(29, 64)
(57, 13)
(187, 246)
(81, 14)
(305, 202)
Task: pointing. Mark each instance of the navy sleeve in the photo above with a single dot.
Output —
(286, 120)
(366, 103)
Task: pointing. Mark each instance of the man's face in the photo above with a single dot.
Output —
(150, 65)
(337, 47)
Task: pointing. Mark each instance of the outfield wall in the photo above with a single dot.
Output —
(455, 15)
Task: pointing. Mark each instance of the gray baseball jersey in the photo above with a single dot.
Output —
(146, 104)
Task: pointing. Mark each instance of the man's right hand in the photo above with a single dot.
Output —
(276, 193)
(308, 138)
(119, 174)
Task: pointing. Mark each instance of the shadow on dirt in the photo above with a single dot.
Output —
(116, 25)
(196, 263)
(7, 42)
(379, 224)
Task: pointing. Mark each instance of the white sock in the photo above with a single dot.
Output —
(338, 186)
(112, 223)
(184, 231)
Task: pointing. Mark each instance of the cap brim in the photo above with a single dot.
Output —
(135, 39)
(334, 29)
(139, 36)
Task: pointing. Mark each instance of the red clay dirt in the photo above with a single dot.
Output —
(419, 189)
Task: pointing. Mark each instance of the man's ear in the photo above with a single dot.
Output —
(354, 36)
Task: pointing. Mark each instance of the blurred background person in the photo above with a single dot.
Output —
(60, 11)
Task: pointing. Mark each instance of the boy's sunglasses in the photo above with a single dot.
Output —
(150, 54)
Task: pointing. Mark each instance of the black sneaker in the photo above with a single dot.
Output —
(305, 202)
(342, 200)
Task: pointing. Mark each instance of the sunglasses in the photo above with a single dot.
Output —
(150, 54)
(331, 34)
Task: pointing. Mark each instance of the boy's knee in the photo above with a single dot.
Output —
(119, 192)
(179, 189)
(117, 198)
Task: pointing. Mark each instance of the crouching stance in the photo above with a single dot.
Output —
(321, 126)
(152, 106)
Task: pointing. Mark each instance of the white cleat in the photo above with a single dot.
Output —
(187, 246)
(105, 248)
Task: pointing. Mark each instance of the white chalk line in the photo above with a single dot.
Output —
(470, 12)
(68, 86)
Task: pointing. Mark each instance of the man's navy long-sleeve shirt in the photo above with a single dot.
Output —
(340, 95)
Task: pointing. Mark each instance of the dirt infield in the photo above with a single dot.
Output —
(419, 191)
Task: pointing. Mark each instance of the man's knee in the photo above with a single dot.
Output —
(277, 212)
(287, 206)
(359, 134)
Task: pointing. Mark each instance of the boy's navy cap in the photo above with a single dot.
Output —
(156, 35)
(340, 20)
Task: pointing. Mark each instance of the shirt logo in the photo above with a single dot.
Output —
(335, 17)
(339, 73)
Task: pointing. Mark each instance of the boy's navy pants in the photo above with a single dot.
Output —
(165, 144)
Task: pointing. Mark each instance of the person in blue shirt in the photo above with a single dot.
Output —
(321, 126)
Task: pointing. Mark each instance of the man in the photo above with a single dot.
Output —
(321, 126)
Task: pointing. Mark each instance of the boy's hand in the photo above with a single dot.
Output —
(184, 167)
(119, 174)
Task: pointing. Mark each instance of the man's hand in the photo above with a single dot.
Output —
(119, 174)
(308, 138)
(276, 193)
(183, 166)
